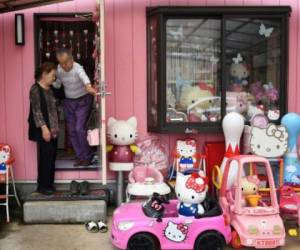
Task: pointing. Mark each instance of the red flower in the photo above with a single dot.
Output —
(196, 182)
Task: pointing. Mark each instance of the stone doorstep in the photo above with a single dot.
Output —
(60, 212)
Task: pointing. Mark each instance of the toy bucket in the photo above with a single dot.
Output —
(253, 200)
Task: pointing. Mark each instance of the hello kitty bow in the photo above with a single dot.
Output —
(182, 228)
(197, 182)
(277, 131)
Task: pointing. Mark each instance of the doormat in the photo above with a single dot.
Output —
(98, 194)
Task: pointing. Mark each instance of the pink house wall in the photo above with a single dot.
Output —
(125, 31)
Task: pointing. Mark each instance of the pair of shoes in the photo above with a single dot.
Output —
(47, 192)
(95, 227)
(82, 163)
(79, 188)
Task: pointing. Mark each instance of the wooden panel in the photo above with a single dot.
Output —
(15, 117)
(2, 85)
(139, 66)
(293, 101)
(123, 59)
(28, 79)
(110, 57)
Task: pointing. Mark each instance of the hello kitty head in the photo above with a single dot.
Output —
(270, 141)
(4, 153)
(122, 132)
(176, 232)
(186, 147)
(191, 188)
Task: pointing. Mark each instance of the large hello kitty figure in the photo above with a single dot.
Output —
(122, 135)
(191, 192)
(4, 157)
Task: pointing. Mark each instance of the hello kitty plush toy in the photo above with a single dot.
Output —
(122, 135)
(4, 157)
(191, 192)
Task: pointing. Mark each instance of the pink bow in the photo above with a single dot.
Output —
(182, 228)
(191, 182)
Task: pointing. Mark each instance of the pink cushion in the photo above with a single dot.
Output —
(140, 173)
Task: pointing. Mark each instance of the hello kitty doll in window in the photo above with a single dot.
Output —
(122, 136)
(191, 192)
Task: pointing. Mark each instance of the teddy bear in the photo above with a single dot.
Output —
(239, 74)
(192, 94)
(122, 136)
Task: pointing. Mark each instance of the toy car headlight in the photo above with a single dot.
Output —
(125, 225)
(277, 229)
(252, 230)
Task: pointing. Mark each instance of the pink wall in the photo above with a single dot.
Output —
(125, 70)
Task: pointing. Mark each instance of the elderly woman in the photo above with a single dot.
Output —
(44, 125)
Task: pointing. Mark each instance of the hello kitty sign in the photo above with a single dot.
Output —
(176, 232)
(267, 139)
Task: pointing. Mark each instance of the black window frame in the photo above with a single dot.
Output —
(223, 13)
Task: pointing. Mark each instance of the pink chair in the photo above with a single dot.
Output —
(144, 181)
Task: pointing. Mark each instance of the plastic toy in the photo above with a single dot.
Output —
(233, 126)
(236, 101)
(291, 163)
(186, 158)
(144, 181)
(191, 192)
(239, 75)
(258, 223)
(250, 194)
(156, 225)
(122, 135)
(290, 203)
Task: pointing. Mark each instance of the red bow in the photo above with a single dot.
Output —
(191, 182)
(182, 228)
(156, 206)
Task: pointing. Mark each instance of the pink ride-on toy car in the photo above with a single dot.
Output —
(252, 210)
(156, 225)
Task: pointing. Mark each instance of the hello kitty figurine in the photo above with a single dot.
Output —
(186, 152)
(4, 157)
(176, 232)
(250, 185)
(191, 192)
(122, 135)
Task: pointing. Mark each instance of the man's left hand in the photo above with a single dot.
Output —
(91, 90)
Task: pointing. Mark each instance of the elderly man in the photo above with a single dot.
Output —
(77, 104)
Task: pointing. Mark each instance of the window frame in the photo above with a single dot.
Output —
(222, 13)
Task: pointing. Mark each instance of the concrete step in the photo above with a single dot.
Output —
(38, 212)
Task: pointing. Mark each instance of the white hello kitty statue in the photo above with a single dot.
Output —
(122, 135)
(191, 192)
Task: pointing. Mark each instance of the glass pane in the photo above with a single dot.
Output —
(153, 71)
(253, 65)
(193, 70)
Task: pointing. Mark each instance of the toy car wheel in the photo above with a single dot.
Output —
(236, 241)
(210, 240)
(143, 241)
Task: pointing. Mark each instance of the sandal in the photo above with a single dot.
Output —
(102, 227)
(92, 227)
